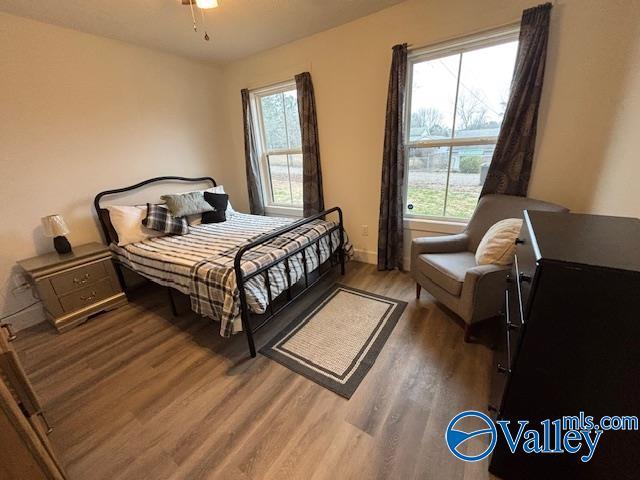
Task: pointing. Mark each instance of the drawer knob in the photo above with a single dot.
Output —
(491, 408)
(82, 280)
(503, 369)
(89, 297)
(519, 241)
(525, 278)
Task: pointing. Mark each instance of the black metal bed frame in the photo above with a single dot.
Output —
(241, 277)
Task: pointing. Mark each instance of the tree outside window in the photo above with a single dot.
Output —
(456, 103)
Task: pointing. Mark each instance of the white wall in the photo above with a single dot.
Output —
(588, 61)
(618, 189)
(80, 114)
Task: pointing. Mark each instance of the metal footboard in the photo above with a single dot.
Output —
(243, 278)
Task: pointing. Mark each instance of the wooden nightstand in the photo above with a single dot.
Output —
(75, 286)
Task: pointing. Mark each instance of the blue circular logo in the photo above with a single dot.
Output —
(456, 437)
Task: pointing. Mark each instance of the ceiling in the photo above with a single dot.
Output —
(238, 28)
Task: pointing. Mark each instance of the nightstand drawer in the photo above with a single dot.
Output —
(87, 296)
(78, 278)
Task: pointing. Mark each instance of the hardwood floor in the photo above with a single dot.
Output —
(136, 393)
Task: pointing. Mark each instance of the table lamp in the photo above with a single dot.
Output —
(55, 227)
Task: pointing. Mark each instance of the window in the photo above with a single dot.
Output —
(276, 117)
(456, 98)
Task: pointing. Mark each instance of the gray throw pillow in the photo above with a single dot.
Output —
(184, 204)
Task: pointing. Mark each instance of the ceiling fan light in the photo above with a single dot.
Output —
(205, 4)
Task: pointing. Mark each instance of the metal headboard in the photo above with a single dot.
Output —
(103, 214)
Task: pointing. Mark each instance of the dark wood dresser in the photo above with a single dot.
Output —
(570, 342)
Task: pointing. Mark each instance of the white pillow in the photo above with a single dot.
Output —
(127, 222)
(498, 246)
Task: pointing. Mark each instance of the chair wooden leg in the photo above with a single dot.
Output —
(467, 333)
(418, 290)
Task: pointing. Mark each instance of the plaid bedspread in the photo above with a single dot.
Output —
(201, 263)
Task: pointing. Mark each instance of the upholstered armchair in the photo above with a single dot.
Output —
(446, 266)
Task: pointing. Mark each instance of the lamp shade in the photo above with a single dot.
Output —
(204, 4)
(54, 226)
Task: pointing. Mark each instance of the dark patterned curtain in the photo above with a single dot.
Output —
(312, 196)
(254, 183)
(390, 228)
(510, 167)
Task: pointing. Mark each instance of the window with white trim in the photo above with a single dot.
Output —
(456, 98)
(275, 112)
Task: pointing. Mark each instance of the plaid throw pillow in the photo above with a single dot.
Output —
(159, 218)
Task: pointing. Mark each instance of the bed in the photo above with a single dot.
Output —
(240, 272)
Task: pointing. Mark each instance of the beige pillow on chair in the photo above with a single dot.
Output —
(498, 246)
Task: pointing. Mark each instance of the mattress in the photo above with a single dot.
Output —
(201, 263)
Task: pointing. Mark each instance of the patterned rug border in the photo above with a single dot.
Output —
(348, 388)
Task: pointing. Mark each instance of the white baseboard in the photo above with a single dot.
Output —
(406, 264)
(365, 256)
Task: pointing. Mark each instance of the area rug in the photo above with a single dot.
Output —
(336, 340)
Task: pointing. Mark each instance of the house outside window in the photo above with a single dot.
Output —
(456, 98)
(275, 112)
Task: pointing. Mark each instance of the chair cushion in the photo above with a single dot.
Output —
(447, 269)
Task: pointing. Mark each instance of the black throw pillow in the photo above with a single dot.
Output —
(218, 202)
